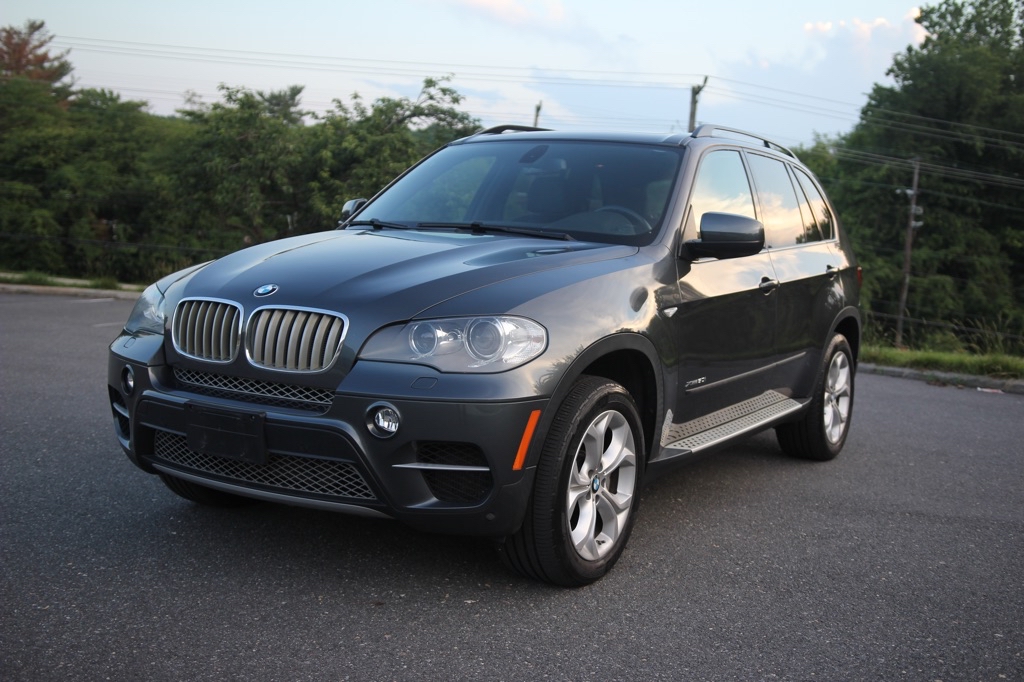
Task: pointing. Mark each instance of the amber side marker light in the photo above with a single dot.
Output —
(524, 444)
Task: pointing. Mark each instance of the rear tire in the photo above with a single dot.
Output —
(200, 494)
(586, 492)
(821, 433)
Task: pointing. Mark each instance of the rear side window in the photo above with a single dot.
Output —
(780, 208)
(721, 187)
(818, 205)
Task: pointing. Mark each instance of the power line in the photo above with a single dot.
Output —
(390, 67)
(932, 168)
(781, 104)
(466, 72)
(924, 131)
(581, 78)
(539, 75)
(966, 126)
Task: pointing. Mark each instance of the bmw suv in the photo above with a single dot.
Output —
(506, 341)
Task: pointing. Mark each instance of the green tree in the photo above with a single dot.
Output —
(957, 107)
(75, 180)
(91, 185)
(34, 144)
(236, 170)
(359, 149)
(106, 182)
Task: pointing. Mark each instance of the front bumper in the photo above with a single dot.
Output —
(449, 468)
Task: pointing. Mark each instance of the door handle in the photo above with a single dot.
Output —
(768, 285)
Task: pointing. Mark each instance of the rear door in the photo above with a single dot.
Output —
(795, 231)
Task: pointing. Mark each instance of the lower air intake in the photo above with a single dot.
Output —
(285, 473)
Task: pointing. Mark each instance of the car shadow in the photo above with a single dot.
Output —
(331, 551)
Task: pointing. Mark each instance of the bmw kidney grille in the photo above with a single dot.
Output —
(285, 339)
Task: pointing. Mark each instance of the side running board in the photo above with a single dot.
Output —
(717, 427)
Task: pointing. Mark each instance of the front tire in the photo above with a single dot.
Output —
(587, 488)
(821, 433)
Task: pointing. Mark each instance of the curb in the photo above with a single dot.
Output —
(69, 291)
(982, 383)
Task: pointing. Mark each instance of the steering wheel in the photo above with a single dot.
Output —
(639, 223)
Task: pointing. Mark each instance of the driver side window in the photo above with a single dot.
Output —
(721, 187)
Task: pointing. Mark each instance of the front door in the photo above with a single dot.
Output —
(725, 323)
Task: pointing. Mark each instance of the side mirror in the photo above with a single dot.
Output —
(350, 208)
(726, 235)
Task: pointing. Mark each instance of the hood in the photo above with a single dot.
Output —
(383, 276)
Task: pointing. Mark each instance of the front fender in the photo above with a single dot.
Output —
(628, 358)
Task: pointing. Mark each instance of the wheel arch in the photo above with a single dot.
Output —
(628, 359)
(849, 325)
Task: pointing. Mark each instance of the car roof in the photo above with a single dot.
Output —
(539, 134)
(706, 131)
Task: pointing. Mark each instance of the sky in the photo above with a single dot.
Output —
(788, 71)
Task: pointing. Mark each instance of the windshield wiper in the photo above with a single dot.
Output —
(378, 224)
(483, 228)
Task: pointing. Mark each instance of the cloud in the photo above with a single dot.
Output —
(818, 27)
(556, 32)
(815, 81)
(867, 44)
(545, 14)
(918, 31)
(868, 32)
(861, 30)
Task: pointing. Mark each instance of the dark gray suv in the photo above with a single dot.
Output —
(506, 341)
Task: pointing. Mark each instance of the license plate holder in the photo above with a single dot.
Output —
(229, 434)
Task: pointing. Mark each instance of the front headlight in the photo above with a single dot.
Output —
(148, 313)
(460, 344)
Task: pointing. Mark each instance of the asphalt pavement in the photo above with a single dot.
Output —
(899, 560)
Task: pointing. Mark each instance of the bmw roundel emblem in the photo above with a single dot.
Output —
(265, 290)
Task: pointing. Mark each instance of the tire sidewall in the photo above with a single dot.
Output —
(838, 345)
(607, 396)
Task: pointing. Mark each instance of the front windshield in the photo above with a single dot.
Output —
(594, 191)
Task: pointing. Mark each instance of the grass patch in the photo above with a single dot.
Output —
(30, 278)
(993, 365)
(42, 280)
(108, 283)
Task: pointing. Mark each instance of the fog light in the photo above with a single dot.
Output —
(128, 380)
(383, 420)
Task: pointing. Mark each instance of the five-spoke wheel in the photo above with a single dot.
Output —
(838, 397)
(602, 483)
(586, 489)
(821, 432)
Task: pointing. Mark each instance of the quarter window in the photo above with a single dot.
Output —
(822, 214)
(811, 231)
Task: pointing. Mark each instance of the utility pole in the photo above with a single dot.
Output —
(536, 114)
(694, 93)
(908, 240)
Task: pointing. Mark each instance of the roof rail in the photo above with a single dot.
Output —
(709, 130)
(498, 130)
